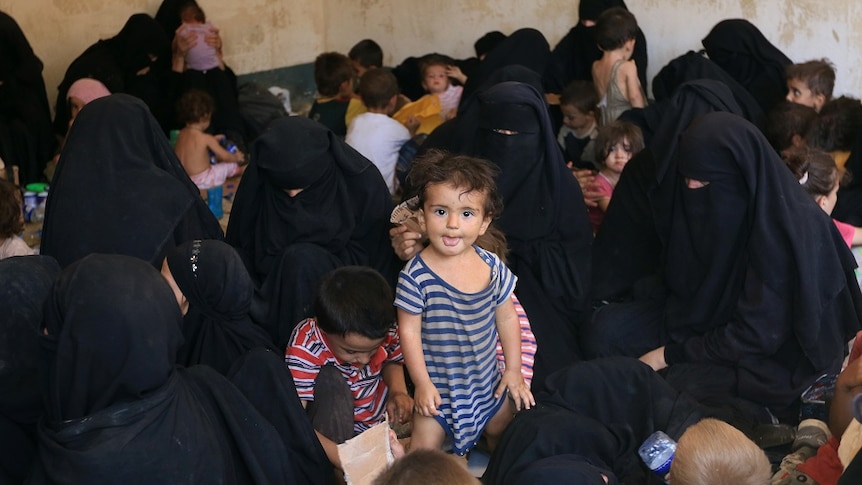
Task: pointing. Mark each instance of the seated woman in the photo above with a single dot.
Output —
(118, 408)
(120, 189)
(758, 298)
(26, 284)
(136, 61)
(214, 291)
(307, 204)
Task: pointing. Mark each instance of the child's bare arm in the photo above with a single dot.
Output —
(509, 330)
(603, 203)
(400, 404)
(426, 397)
(857, 236)
(633, 84)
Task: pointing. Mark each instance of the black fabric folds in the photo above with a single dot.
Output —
(217, 327)
(119, 188)
(341, 217)
(739, 48)
(26, 281)
(525, 47)
(26, 139)
(118, 409)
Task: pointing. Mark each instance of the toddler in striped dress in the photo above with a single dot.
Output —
(453, 299)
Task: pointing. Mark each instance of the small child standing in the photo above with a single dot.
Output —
(346, 362)
(374, 134)
(336, 105)
(616, 144)
(453, 299)
(615, 74)
(810, 83)
(194, 145)
(578, 103)
(201, 56)
(441, 102)
(819, 176)
(11, 222)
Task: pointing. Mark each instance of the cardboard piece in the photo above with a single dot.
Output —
(407, 213)
(366, 455)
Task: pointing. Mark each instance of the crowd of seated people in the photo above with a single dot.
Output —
(522, 254)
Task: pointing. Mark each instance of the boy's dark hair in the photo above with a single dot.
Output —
(355, 299)
(430, 60)
(367, 53)
(614, 27)
(487, 42)
(818, 74)
(194, 105)
(837, 125)
(10, 210)
(191, 10)
(377, 87)
(820, 168)
(582, 95)
(331, 69)
(785, 120)
(468, 173)
(614, 132)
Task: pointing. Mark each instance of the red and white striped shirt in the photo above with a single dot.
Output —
(307, 351)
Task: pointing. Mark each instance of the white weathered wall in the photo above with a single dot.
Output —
(266, 34)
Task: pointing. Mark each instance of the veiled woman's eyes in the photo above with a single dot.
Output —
(695, 184)
(504, 131)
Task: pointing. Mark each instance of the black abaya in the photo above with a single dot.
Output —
(119, 188)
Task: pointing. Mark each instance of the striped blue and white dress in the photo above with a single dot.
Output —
(459, 335)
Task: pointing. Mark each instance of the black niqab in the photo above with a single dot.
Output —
(525, 47)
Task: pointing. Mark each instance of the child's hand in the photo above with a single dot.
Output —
(400, 407)
(455, 73)
(395, 445)
(412, 124)
(518, 389)
(427, 400)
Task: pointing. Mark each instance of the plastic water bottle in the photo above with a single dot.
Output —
(214, 200)
(657, 452)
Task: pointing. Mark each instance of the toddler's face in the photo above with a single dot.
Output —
(799, 93)
(435, 80)
(619, 155)
(575, 118)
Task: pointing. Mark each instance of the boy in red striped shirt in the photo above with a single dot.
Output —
(346, 362)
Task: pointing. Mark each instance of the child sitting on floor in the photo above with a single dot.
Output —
(615, 145)
(576, 137)
(336, 105)
(615, 74)
(810, 83)
(441, 102)
(11, 222)
(346, 361)
(453, 300)
(194, 144)
(374, 134)
(820, 177)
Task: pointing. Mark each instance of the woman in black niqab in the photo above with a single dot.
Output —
(26, 139)
(217, 327)
(119, 411)
(525, 47)
(119, 188)
(308, 203)
(761, 294)
(26, 281)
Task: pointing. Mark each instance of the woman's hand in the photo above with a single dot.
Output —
(183, 41)
(655, 359)
(213, 39)
(399, 407)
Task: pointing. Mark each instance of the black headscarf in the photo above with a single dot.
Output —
(525, 47)
(849, 205)
(739, 48)
(629, 244)
(119, 188)
(118, 411)
(116, 63)
(26, 281)
(217, 327)
(573, 56)
(753, 217)
(340, 218)
(26, 139)
(544, 220)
